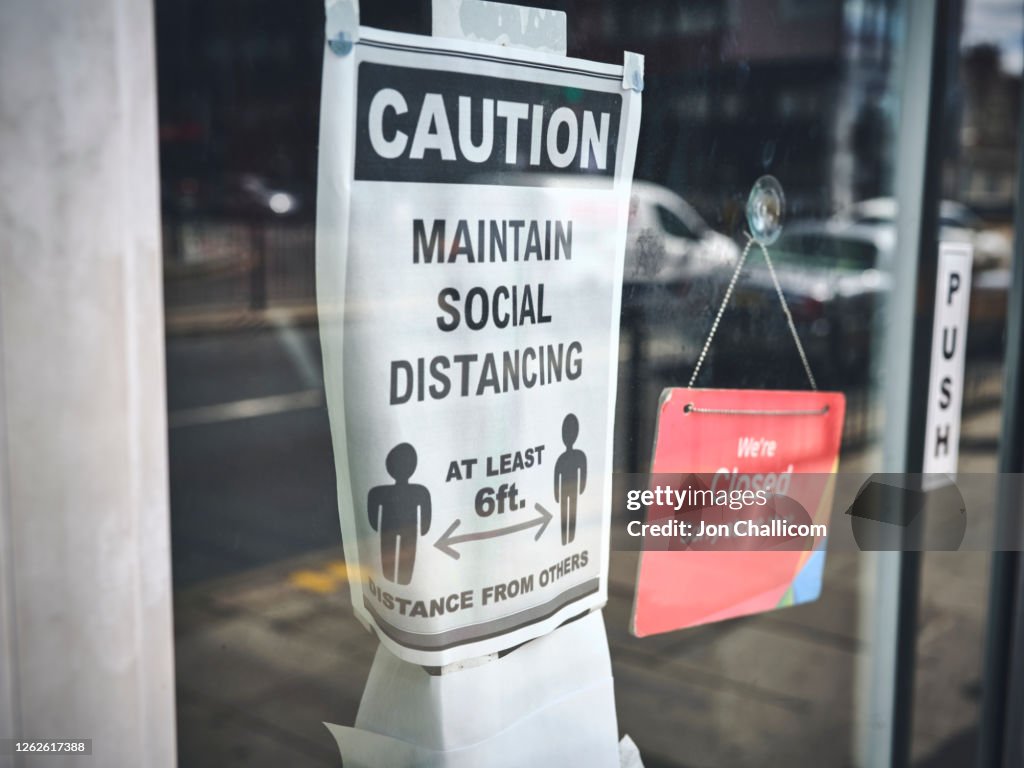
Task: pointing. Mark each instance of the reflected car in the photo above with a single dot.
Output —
(251, 193)
(835, 275)
(957, 224)
(991, 275)
(234, 195)
(668, 242)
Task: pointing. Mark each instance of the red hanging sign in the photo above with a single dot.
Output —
(785, 443)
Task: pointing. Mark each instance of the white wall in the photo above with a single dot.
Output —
(85, 599)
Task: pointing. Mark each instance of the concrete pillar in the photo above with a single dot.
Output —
(86, 647)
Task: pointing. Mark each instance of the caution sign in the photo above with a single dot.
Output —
(471, 226)
(776, 449)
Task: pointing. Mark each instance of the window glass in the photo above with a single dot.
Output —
(808, 92)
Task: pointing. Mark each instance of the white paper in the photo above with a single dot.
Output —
(513, 26)
(550, 702)
(629, 754)
(525, 221)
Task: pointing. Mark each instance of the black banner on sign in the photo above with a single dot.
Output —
(444, 127)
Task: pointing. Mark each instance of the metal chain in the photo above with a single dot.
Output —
(789, 318)
(725, 303)
(691, 408)
(721, 311)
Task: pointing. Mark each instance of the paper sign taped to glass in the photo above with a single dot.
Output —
(471, 226)
(735, 441)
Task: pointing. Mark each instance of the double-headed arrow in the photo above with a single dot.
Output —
(447, 540)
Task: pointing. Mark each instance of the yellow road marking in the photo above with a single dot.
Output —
(324, 581)
(313, 581)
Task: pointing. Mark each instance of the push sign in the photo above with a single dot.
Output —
(470, 241)
(949, 342)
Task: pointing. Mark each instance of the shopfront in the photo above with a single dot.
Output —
(422, 261)
(890, 128)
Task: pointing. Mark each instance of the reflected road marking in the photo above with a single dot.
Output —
(245, 409)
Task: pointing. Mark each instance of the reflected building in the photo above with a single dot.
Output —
(739, 88)
(735, 89)
(985, 178)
